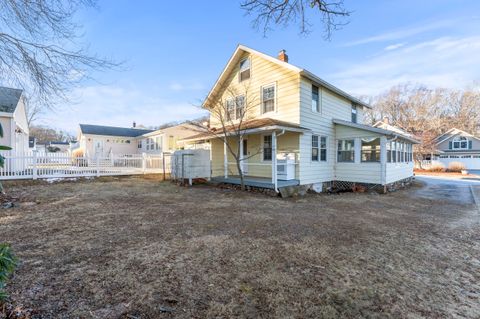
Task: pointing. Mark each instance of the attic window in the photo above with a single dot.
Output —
(244, 73)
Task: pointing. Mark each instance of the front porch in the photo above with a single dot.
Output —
(254, 181)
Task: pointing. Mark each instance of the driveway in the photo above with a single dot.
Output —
(454, 189)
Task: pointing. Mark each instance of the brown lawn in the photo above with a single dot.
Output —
(142, 248)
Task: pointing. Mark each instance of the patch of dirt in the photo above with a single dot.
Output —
(142, 248)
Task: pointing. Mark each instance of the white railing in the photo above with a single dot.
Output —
(35, 165)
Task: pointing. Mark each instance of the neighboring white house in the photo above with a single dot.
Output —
(103, 141)
(458, 146)
(304, 131)
(13, 119)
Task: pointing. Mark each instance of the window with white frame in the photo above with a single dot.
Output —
(315, 148)
(139, 144)
(239, 106)
(315, 99)
(244, 72)
(323, 148)
(267, 147)
(371, 149)
(230, 109)
(394, 151)
(354, 113)
(268, 98)
(346, 151)
(460, 143)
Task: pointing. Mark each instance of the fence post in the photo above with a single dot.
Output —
(163, 161)
(97, 163)
(34, 161)
(144, 162)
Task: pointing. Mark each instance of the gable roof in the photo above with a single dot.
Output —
(9, 99)
(112, 130)
(452, 133)
(232, 62)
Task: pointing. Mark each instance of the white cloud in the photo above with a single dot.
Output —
(442, 62)
(119, 106)
(395, 46)
(403, 33)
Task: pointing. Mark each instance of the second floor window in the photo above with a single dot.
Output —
(346, 151)
(268, 98)
(354, 114)
(239, 106)
(460, 142)
(230, 109)
(244, 73)
(315, 99)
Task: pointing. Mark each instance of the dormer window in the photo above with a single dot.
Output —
(460, 143)
(244, 73)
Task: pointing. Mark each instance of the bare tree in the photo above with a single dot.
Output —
(45, 134)
(229, 119)
(266, 13)
(39, 51)
(427, 113)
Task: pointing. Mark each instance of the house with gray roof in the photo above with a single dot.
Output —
(13, 118)
(101, 140)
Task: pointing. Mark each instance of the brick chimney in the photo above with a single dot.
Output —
(282, 56)
(134, 125)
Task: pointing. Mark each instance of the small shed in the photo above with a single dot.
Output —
(191, 164)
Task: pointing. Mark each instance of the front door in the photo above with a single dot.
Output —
(244, 157)
(98, 147)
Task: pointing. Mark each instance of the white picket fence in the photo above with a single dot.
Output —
(35, 165)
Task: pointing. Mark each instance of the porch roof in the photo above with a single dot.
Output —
(250, 127)
(375, 130)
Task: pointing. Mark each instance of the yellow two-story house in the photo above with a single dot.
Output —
(296, 129)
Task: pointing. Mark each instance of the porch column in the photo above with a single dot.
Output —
(241, 153)
(225, 158)
(274, 159)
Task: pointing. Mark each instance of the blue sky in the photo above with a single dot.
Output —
(174, 52)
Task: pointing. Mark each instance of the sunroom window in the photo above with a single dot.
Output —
(346, 151)
(370, 149)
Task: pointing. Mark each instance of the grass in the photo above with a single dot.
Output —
(134, 247)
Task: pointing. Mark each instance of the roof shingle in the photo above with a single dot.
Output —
(9, 99)
(112, 130)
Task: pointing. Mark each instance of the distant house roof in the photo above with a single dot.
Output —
(112, 130)
(9, 99)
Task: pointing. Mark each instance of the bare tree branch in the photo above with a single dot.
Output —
(39, 51)
(333, 15)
